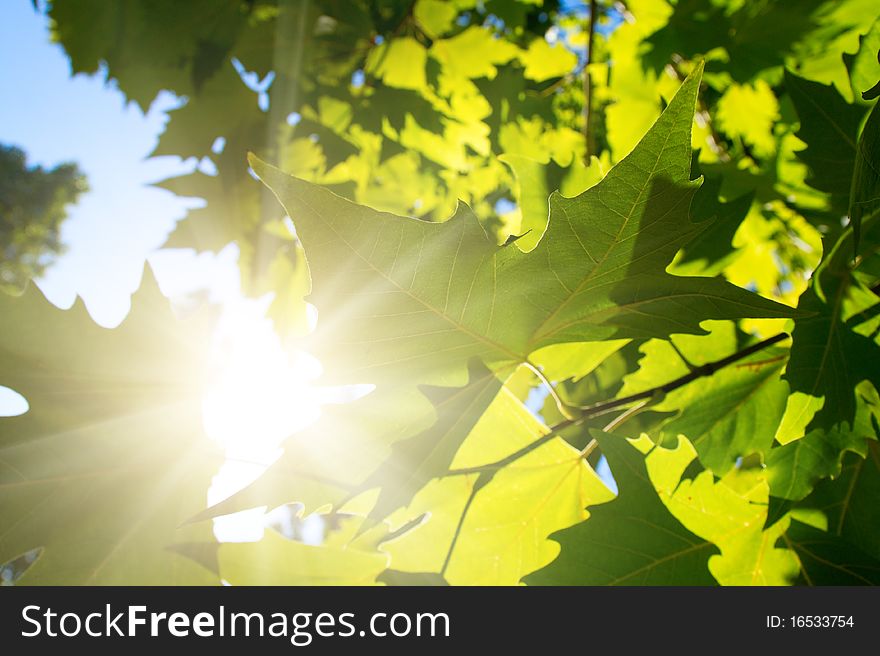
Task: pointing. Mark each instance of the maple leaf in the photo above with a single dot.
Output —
(110, 457)
(398, 297)
(632, 540)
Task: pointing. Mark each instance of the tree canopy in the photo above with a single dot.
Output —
(659, 217)
(33, 205)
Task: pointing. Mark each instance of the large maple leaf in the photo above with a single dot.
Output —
(110, 457)
(404, 299)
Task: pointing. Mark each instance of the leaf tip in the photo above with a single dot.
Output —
(257, 165)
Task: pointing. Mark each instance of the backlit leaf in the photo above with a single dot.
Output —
(111, 456)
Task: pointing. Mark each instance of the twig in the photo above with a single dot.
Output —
(698, 372)
(589, 412)
(614, 423)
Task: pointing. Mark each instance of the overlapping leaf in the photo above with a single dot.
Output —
(730, 512)
(403, 302)
(827, 560)
(504, 529)
(710, 252)
(849, 502)
(395, 440)
(830, 128)
(400, 297)
(830, 355)
(730, 415)
(841, 153)
(864, 199)
(110, 457)
(632, 540)
(726, 515)
(276, 560)
(794, 468)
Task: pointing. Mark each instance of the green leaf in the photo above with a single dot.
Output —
(712, 251)
(325, 464)
(189, 134)
(543, 61)
(838, 26)
(827, 560)
(533, 186)
(563, 361)
(214, 226)
(834, 374)
(435, 17)
(599, 379)
(473, 53)
(748, 112)
(632, 540)
(404, 297)
(849, 502)
(394, 439)
(864, 198)
(730, 512)
(753, 40)
(864, 67)
(726, 416)
(147, 47)
(111, 457)
(275, 560)
(795, 468)
(636, 89)
(829, 356)
(532, 193)
(504, 534)
(829, 125)
(399, 63)
(417, 460)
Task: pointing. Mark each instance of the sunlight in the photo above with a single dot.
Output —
(259, 394)
(12, 404)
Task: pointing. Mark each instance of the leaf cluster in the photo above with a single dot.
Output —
(686, 271)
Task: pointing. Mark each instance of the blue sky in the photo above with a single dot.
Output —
(55, 118)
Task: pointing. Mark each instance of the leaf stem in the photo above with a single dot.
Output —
(626, 414)
(486, 475)
(687, 363)
(561, 405)
(480, 482)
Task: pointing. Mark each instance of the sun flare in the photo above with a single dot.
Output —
(259, 393)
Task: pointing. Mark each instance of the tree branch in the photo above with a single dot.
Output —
(589, 412)
(697, 372)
